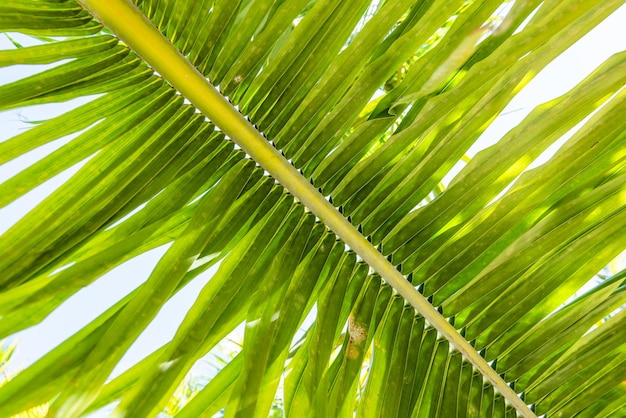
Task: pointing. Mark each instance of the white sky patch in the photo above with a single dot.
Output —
(127, 216)
(203, 260)
(275, 316)
(60, 269)
(167, 365)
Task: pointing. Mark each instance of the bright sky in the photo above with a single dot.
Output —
(556, 79)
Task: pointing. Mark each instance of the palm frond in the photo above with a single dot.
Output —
(371, 104)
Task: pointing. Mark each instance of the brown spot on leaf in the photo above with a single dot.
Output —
(352, 352)
(358, 333)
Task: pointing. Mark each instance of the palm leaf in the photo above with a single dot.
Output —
(462, 305)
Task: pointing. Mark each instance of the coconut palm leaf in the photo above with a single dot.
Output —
(312, 176)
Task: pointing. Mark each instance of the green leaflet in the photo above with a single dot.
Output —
(310, 363)
(52, 52)
(218, 298)
(492, 169)
(156, 291)
(38, 85)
